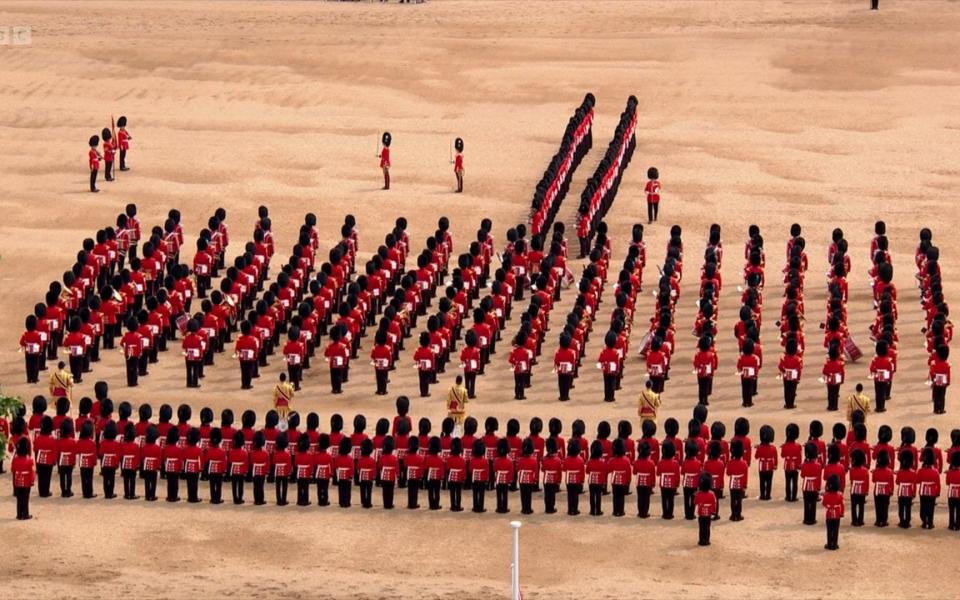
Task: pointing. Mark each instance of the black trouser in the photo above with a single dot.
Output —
(564, 382)
(766, 484)
(366, 494)
(858, 503)
(323, 492)
(108, 170)
(666, 501)
(874, 4)
(904, 508)
(108, 335)
(129, 483)
(619, 499)
(881, 506)
(193, 372)
(704, 388)
(336, 379)
(479, 494)
(656, 383)
(689, 507)
(526, 498)
(833, 397)
(123, 159)
(413, 493)
(173, 487)
(456, 495)
(425, 378)
(86, 482)
(295, 373)
(150, 485)
(23, 502)
(881, 391)
(93, 179)
(109, 480)
(503, 497)
(303, 491)
(216, 488)
(258, 492)
(247, 368)
(573, 498)
(596, 499)
(433, 493)
(281, 486)
(953, 508)
(550, 497)
(927, 506)
(790, 393)
(33, 367)
(381, 376)
(44, 475)
(76, 368)
(833, 533)
(387, 487)
(791, 478)
(66, 480)
(584, 246)
(704, 523)
(142, 361)
(344, 490)
(736, 505)
(939, 395)
(810, 508)
(653, 210)
(133, 370)
(609, 386)
(747, 390)
(643, 501)
(470, 382)
(236, 488)
(518, 386)
(193, 483)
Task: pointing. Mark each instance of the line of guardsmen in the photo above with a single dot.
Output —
(702, 462)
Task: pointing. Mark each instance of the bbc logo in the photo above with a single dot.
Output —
(19, 35)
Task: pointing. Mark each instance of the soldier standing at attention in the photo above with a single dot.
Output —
(94, 160)
(384, 157)
(458, 164)
(123, 141)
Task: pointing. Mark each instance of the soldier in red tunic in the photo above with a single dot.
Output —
(384, 157)
(123, 141)
(705, 502)
(833, 511)
(93, 157)
(108, 153)
(21, 468)
(458, 163)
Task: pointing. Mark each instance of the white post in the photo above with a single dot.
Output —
(515, 566)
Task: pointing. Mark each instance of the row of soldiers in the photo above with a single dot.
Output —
(396, 456)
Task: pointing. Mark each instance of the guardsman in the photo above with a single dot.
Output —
(123, 141)
(648, 404)
(23, 475)
(458, 164)
(384, 157)
(93, 157)
(108, 152)
(857, 401)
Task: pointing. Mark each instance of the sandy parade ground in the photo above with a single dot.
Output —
(767, 112)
